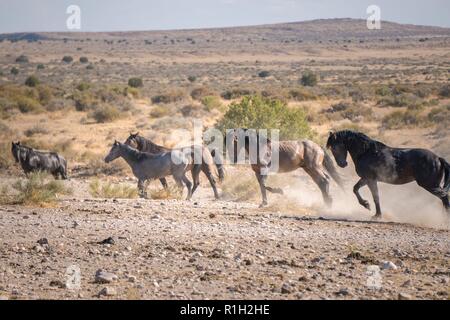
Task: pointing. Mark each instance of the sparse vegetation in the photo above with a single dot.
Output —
(110, 190)
(105, 113)
(308, 79)
(22, 59)
(135, 82)
(84, 60)
(170, 96)
(67, 59)
(32, 81)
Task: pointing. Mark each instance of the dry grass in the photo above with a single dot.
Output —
(173, 192)
(110, 190)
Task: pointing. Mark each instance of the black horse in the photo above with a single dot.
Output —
(32, 160)
(375, 161)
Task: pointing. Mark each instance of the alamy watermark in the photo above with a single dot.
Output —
(374, 19)
(73, 22)
(73, 277)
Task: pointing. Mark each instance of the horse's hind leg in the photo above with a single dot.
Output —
(188, 186)
(141, 188)
(211, 180)
(322, 181)
(195, 177)
(373, 186)
(262, 186)
(441, 194)
(164, 183)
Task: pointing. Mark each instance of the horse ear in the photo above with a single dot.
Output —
(18, 143)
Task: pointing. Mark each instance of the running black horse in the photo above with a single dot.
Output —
(375, 161)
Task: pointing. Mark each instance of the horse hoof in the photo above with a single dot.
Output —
(262, 205)
(366, 204)
(376, 217)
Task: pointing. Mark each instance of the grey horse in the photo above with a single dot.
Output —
(148, 166)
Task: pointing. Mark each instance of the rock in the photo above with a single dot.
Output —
(286, 288)
(26, 217)
(43, 241)
(404, 296)
(104, 277)
(407, 283)
(109, 240)
(248, 262)
(343, 292)
(212, 215)
(107, 291)
(132, 279)
(58, 284)
(388, 265)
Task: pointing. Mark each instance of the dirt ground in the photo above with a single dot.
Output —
(207, 249)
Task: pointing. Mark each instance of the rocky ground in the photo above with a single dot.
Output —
(206, 249)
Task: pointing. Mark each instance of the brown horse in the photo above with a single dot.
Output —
(292, 155)
(206, 166)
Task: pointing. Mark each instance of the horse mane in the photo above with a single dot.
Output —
(364, 142)
(135, 153)
(149, 145)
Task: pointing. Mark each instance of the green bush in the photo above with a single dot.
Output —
(212, 102)
(83, 86)
(256, 112)
(14, 71)
(445, 91)
(192, 78)
(236, 93)
(32, 81)
(135, 82)
(308, 79)
(40, 66)
(67, 59)
(84, 60)
(105, 113)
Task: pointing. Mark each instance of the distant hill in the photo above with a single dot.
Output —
(323, 29)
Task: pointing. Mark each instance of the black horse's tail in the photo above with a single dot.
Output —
(329, 165)
(218, 162)
(446, 167)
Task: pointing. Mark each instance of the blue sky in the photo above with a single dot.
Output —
(120, 15)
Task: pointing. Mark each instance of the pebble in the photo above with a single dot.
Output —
(286, 288)
(388, 265)
(404, 296)
(104, 276)
(107, 291)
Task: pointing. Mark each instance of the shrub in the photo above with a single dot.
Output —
(109, 190)
(85, 101)
(26, 105)
(22, 59)
(236, 93)
(201, 92)
(32, 81)
(39, 189)
(440, 115)
(159, 112)
(37, 129)
(192, 78)
(84, 60)
(169, 97)
(301, 94)
(445, 91)
(83, 86)
(40, 66)
(257, 112)
(212, 102)
(67, 59)
(135, 82)
(14, 71)
(401, 119)
(308, 79)
(264, 74)
(105, 113)
(90, 66)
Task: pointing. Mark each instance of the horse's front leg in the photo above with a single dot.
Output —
(164, 183)
(141, 188)
(373, 186)
(361, 183)
(262, 185)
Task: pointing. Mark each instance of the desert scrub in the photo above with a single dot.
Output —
(32, 81)
(170, 96)
(173, 192)
(135, 83)
(111, 190)
(39, 189)
(105, 113)
(240, 186)
(67, 59)
(256, 112)
(36, 129)
(212, 103)
(403, 119)
(201, 92)
(309, 79)
(22, 59)
(6, 159)
(301, 94)
(236, 93)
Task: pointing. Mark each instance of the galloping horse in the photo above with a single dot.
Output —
(375, 161)
(148, 166)
(206, 165)
(303, 154)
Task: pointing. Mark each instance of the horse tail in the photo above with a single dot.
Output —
(329, 166)
(218, 162)
(446, 167)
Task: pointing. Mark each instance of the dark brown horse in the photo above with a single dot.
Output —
(374, 161)
(206, 165)
(292, 155)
